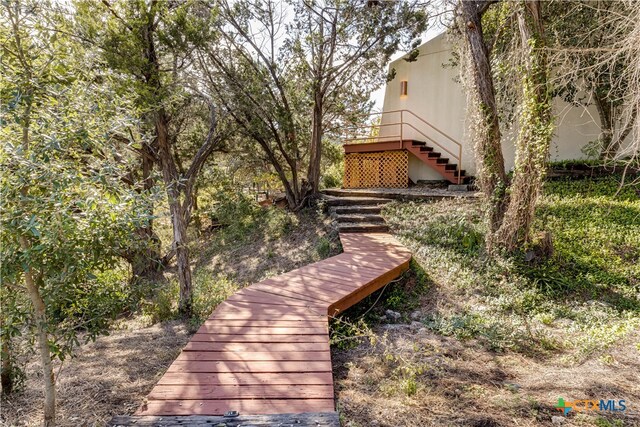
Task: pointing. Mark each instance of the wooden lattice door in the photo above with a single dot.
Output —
(388, 169)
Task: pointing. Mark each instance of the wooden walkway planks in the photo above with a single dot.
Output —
(265, 350)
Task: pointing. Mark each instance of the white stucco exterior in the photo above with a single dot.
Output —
(435, 94)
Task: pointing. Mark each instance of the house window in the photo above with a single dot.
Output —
(403, 88)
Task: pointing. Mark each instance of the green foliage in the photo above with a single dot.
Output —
(332, 176)
(67, 215)
(278, 222)
(404, 296)
(456, 230)
(603, 422)
(210, 289)
(162, 305)
(346, 334)
(332, 164)
(240, 215)
(582, 298)
(596, 244)
(234, 209)
(569, 164)
(410, 386)
(323, 247)
(97, 301)
(16, 313)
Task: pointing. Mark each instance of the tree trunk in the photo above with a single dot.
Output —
(315, 152)
(145, 258)
(534, 138)
(491, 175)
(294, 199)
(6, 371)
(39, 309)
(172, 182)
(180, 240)
(606, 125)
(144, 254)
(185, 305)
(40, 318)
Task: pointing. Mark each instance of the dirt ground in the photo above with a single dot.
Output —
(413, 377)
(264, 256)
(107, 377)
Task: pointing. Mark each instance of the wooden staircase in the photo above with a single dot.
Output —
(426, 153)
(450, 171)
(402, 130)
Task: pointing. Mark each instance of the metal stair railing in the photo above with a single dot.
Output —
(370, 133)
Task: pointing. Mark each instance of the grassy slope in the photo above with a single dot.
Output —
(500, 341)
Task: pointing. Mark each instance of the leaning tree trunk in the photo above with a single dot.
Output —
(491, 176)
(178, 220)
(39, 308)
(40, 319)
(536, 131)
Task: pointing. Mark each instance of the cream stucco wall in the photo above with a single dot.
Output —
(435, 95)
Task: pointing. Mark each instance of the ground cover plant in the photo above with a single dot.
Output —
(484, 341)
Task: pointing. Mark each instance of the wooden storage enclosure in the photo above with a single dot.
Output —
(386, 169)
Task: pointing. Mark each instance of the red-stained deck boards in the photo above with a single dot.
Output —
(265, 350)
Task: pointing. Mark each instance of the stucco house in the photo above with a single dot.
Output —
(423, 133)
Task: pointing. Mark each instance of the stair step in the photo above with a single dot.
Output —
(359, 219)
(355, 201)
(418, 143)
(346, 210)
(366, 193)
(448, 171)
(362, 228)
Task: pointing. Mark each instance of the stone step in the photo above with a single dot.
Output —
(346, 210)
(369, 194)
(359, 219)
(350, 227)
(355, 201)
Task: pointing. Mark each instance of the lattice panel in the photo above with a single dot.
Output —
(388, 169)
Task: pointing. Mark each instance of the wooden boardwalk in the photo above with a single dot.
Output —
(265, 350)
